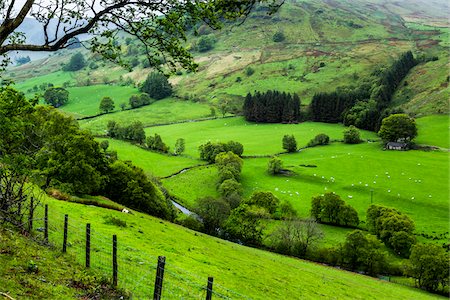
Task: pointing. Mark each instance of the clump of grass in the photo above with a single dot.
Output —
(111, 220)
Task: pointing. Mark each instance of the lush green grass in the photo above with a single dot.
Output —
(191, 257)
(415, 182)
(258, 139)
(57, 78)
(153, 163)
(160, 112)
(84, 101)
(54, 276)
(434, 130)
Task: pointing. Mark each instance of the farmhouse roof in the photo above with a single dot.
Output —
(397, 144)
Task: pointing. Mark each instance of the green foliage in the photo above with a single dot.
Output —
(77, 62)
(429, 265)
(213, 212)
(244, 224)
(352, 135)
(56, 96)
(330, 208)
(363, 252)
(210, 150)
(278, 37)
(205, 43)
(156, 86)
(104, 145)
(106, 105)
(231, 191)
(320, 139)
(272, 107)
(249, 71)
(394, 228)
(156, 143)
(289, 143)
(111, 220)
(128, 185)
(142, 99)
(179, 146)
(264, 199)
(275, 165)
(134, 132)
(398, 127)
(32, 267)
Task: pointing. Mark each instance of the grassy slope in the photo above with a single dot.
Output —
(399, 179)
(153, 163)
(258, 139)
(191, 257)
(55, 271)
(160, 112)
(434, 130)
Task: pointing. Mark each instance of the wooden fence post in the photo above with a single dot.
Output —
(159, 278)
(115, 260)
(209, 288)
(66, 223)
(46, 223)
(30, 217)
(88, 245)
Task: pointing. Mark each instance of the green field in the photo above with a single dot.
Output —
(398, 179)
(434, 130)
(258, 139)
(153, 163)
(160, 112)
(191, 257)
(84, 101)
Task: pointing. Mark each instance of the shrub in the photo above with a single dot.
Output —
(289, 143)
(77, 62)
(266, 200)
(275, 165)
(156, 86)
(278, 37)
(330, 208)
(320, 139)
(249, 71)
(56, 96)
(351, 135)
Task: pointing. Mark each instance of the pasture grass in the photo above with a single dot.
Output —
(258, 139)
(415, 182)
(433, 130)
(153, 163)
(161, 112)
(191, 257)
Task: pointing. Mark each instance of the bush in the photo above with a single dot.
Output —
(56, 96)
(77, 62)
(320, 139)
(351, 135)
(275, 165)
(156, 86)
(156, 143)
(249, 71)
(210, 150)
(289, 143)
(205, 43)
(278, 37)
(330, 208)
(266, 200)
(213, 212)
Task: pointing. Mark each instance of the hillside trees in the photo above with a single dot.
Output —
(77, 62)
(162, 34)
(330, 208)
(272, 107)
(156, 86)
(56, 96)
(210, 150)
(139, 100)
(213, 212)
(229, 166)
(133, 132)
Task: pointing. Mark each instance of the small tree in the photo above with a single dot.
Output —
(351, 135)
(106, 105)
(156, 86)
(56, 96)
(123, 106)
(398, 127)
(429, 265)
(213, 212)
(179, 146)
(289, 143)
(278, 37)
(264, 199)
(104, 145)
(320, 139)
(275, 165)
(156, 143)
(77, 62)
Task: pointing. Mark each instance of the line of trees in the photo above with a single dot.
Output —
(210, 150)
(366, 105)
(272, 107)
(331, 209)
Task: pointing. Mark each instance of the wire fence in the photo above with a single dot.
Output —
(123, 265)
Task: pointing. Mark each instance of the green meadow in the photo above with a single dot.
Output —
(154, 164)
(238, 271)
(258, 139)
(398, 179)
(161, 112)
(434, 130)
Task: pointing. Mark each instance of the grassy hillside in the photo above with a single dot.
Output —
(434, 130)
(32, 271)
(191, 257)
